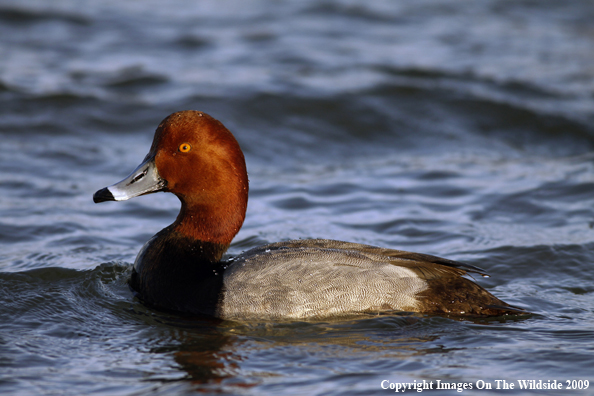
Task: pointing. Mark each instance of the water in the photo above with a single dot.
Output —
(459, 129)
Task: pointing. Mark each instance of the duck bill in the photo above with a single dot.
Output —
(143, 180)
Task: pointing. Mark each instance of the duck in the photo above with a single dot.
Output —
(181, 268)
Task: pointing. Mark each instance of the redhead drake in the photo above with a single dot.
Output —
(195, 157)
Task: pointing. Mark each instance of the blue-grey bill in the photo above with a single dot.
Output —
(143, 180)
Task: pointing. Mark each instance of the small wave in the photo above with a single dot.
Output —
(24, 16)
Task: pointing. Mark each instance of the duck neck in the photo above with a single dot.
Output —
(211, 226)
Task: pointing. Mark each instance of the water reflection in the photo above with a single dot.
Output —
(243, 354)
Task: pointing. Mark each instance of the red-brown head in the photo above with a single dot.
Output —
(195, 157)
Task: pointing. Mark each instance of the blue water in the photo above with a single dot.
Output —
(459, 129)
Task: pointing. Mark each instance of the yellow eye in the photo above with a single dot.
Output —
(185, 147)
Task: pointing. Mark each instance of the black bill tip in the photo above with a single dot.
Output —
(103, 195)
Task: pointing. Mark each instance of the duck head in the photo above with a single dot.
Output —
(196, 158)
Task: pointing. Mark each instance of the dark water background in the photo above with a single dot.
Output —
(460, 129)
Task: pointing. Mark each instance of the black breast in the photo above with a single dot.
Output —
(174, 272)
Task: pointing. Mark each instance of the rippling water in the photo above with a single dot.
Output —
(460, 129)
